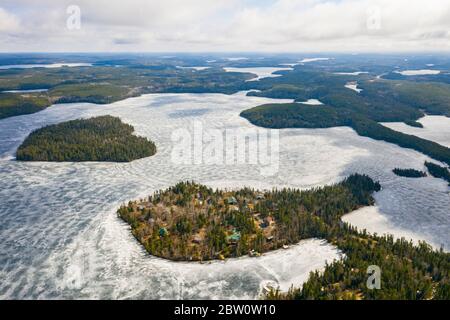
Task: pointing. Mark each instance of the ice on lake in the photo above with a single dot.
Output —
(61, 238)
(25, 91)
(353, 86)
(312, 102)
(194, 68)
(424, 72)
(308, 60)
(435, 128)
(260, 72)
(47, 66)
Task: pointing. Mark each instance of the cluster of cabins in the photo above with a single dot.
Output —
(266, 224)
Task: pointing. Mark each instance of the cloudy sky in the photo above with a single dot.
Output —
(224, 25)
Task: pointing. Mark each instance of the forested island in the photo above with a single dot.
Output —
(103, 139)
(413, 123)
(438, 172)
(193, 222)
(409, 173)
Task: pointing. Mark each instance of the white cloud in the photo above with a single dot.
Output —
(8, 22)
(229, 25)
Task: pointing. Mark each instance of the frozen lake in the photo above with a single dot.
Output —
(312, 102)
(424, 72)
(194, 68)
(308, 60)
(353, 86)
(357, 73)
(60, 237)
(260, 72)
(371, 219)
(435, 128)
(26, 91)
(48, 66)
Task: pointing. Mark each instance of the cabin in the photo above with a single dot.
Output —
(232, 201)
(263, 225)
(254, 253)
(234, 208)
(234, 237)
(163, 232)
(197, 239)
(149, 205)
(269, 220)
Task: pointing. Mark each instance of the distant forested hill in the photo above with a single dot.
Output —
(103, 138)
(106, 84)
(12, 104)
